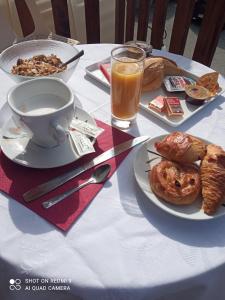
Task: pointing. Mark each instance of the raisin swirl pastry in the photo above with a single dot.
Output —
(181, 147)
(175, 183)
(212, 171)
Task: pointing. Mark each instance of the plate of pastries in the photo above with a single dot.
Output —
(173, 94)
(183, 175)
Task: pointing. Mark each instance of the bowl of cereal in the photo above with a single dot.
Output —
(38, 58)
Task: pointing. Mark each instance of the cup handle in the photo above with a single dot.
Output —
(60, 134)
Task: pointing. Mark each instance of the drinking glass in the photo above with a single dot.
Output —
(147, 47)
(127, 67)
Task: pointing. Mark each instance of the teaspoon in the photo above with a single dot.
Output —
(79, 54)
(98, 176)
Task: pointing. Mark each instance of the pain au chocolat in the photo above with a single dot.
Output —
(181, 147)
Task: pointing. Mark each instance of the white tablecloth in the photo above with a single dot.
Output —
(123, 246)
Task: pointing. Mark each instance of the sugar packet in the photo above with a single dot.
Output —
(86, 128)
(81, 142)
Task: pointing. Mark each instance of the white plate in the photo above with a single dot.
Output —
(193, 211)
(24, 152)
(189, 109)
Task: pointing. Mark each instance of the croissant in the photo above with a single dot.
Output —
(181, 147)
(212, 172)
(156, 67)
(175, 183)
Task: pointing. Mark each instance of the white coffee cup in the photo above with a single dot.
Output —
(44, 106)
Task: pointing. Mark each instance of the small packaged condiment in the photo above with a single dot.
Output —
(177, 83)
(196, 94)
(81, 142)
(157, 104)
(106, 70)
(173, 106)
(86, 128)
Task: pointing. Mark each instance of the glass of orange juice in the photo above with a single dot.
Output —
(127, 67)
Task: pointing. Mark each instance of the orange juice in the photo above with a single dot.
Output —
(126, 80)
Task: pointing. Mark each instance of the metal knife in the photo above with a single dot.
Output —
(52, 184)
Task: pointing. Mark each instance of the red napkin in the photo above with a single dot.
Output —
(16, 179)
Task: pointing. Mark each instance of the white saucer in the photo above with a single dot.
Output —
(23, 151)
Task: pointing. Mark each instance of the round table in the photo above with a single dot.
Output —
(123, 246)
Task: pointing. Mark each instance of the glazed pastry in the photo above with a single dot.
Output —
(181, 147)
(155, 69)
(213, 179)
(175, 183)
(210, 82)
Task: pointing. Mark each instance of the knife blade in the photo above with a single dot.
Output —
(52, 184)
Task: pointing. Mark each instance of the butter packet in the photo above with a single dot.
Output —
(177, 83)
(86, 128)
(81, 142)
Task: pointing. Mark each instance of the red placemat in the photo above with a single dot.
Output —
(16, 179)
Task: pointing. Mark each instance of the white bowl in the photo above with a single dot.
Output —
(28, 49)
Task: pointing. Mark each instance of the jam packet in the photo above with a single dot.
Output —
(177, 83)
(106, 70)
(173, 106)
(157, 104)
(81, 142)
(86, 128)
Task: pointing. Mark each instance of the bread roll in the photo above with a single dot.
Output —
(156, 68)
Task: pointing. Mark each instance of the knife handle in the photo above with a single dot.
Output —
(52, 184)
(49, 203)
